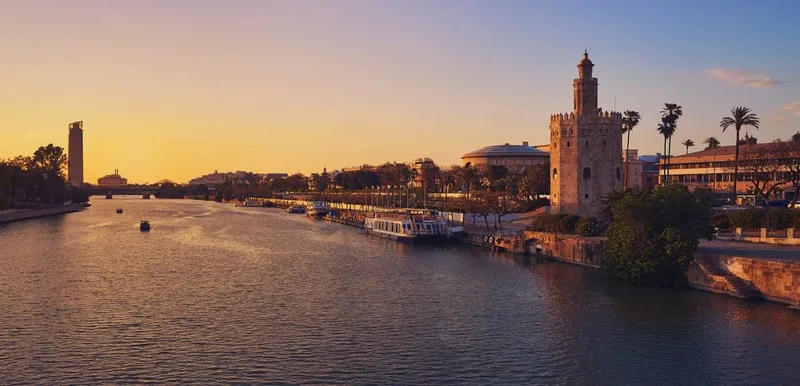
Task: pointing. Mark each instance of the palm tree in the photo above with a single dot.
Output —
(671, 111)
(740, 116)
(688, 143)
(665, 129)
(711, 142)
(629, 120)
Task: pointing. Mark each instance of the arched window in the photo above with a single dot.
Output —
(555, 145)
(619, 175)
(586, 195)
(587, 173)
(568, 143)
(604, 143)
(586, 144)
(555, 173)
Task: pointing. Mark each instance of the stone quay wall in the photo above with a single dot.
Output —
(24, 214)
(568, 248)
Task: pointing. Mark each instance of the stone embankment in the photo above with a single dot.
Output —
(24, 214)
(769, 272)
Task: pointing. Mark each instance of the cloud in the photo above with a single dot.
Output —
(793, 108)
(746, 78)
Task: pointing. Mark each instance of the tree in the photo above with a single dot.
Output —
(711, 143)
(789, 153)
(653, 234)
(671, 112)
(630, 119)
(761, 166)
(665, 129)
(535, 181)
(688, 143)
(50, 159)
(740, 116)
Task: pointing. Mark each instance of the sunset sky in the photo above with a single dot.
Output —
(176, 89)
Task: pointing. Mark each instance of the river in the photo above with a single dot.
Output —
(218, 294)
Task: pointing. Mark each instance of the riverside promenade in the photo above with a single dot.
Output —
(10, 215)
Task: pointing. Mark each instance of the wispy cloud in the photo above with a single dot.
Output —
(745, 78)
(793, 108)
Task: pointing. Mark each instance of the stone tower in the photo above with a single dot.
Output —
(585, 150)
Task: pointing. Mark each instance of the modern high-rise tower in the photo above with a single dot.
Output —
(75, 156)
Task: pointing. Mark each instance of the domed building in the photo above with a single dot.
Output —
(516, 158)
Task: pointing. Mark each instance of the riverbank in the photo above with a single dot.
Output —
(10, 215)
(769, 272)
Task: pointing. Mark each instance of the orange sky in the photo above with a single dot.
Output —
(178, 89)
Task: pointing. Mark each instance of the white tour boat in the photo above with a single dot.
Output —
(410, 224)
(318, 209)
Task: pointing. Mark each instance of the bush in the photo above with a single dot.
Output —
(555, 223)
(778, 218)
(588, 227)
(750, 218)
(720, 221)
(654, 234)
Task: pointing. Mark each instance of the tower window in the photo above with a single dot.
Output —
(568, 143)
(604, 143)
(586, 195)
(587, 173)
(586, 144)
(619, 175)
(555, 173)
(555, 145)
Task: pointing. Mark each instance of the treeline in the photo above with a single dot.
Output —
(37, 180)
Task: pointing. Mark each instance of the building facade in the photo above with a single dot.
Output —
(713, 169)
(516, 158)
(75, 153)
(585, 150)
(112, 180)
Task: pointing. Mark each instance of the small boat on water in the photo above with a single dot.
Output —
(408, 224)
(119, 210)
(249, 204)
(146, 196)
(295, 209)
(318, 209)
(109, 196)
(144, 226)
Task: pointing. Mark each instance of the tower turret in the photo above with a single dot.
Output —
(585, 88)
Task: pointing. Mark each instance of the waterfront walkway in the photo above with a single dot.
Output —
(755, 250)
(10, 215)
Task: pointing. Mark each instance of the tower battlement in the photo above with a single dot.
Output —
(602, 117)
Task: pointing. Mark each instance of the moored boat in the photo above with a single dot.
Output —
(144, 226)
(119, 210)
(318, 209)
(295, 209)
(410, 224)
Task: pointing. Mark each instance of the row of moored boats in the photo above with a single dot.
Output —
(398, 224)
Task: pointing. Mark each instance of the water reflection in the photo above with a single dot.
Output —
(216, 294)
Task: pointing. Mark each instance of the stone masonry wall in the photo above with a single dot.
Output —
(567, 248)
(777, 280)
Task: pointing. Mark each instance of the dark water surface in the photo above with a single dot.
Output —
(217, 294)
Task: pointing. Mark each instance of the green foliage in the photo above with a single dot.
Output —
(567, 224)
(720, 221)
(772, 218)
(79, 196)
(654, 234)
(778, 218)
(588, 227)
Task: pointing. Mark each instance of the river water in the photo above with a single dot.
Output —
(217, 294)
